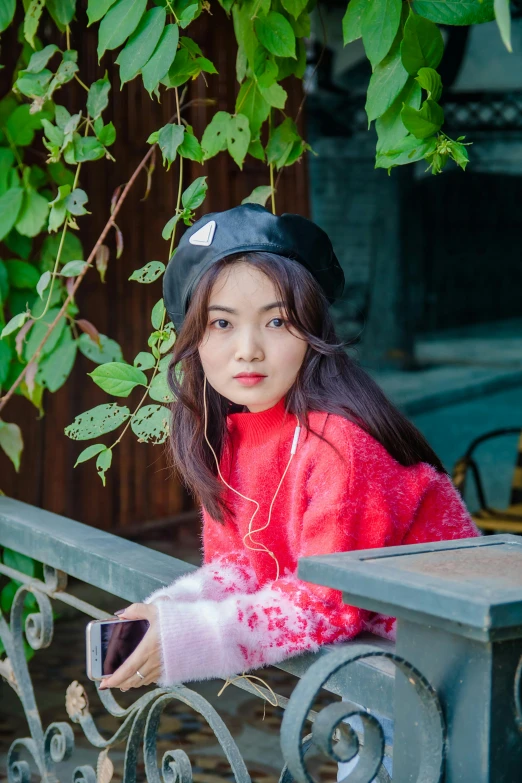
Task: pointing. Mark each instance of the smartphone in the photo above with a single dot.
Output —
(109, 643)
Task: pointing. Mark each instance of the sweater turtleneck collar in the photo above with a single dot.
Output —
(256, 428)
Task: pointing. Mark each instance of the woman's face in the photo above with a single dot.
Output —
(247, 353)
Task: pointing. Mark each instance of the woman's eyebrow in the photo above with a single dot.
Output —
(231, 310)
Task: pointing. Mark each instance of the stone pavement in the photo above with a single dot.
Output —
(471, 383)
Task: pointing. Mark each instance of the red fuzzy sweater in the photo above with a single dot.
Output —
(231, 614)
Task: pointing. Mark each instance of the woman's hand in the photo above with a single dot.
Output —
(146, 658)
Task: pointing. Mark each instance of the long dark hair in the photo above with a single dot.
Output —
(328, 380)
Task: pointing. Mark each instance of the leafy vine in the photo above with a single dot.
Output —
(41, 328)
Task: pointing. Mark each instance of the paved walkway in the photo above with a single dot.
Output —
(471, 383)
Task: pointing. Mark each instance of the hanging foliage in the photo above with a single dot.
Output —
(41, 328)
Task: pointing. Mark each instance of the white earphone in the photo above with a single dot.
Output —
(261, 547)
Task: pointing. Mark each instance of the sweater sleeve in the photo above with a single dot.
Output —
(224, 575)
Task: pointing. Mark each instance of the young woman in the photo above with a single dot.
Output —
(290, 447)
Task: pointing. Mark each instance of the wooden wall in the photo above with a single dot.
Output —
(140, 485)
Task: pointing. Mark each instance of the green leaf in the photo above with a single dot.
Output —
(87, 148)
(162, 58)
(75, 202)
(169, 226)
(386, 83)
(34, 85)
(275, 95)
(190, 147)
(40, 59)
(259, 195)
(72, 268)
(108, 351)
(15, 323)
(7, 11)
(117, 378)
(409, 150)
(164, 363)
(62, 11)
(6, 599)
(21, 274)
(98, 8)
(32, 20)
(459, 154)
(21, 125)
(56, 367)
(182, 69)
(98, 97)
(187, 15)
(6, 354)
(192, 198)
(352, 20)
(159, 389)
(144, 361)
(422, 44)
(89, 452)
(58, 208)
(10, 204)
(276, 34)
(39, 329)
(120, 22)
(238, 138)
(158, 313)
(141, 44)
(106, 134)
(251, 103)
(151, 424)
(11, 443)
(294, 7)
(379, 26)
(169, 139)
(148, 273)
(215, 134)
(103, 463)
(42, 284)
(281, 142)
(458, 12)
(53, 133)
(430, 81)
(390, 128)
(26, 565)
(265, 68)
(503, 17)
(33, 213)
(97, 421)
(425, 121)
(244, 31)
(167, 343)
(4, 282)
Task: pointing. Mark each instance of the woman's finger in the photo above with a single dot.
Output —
(137, 660)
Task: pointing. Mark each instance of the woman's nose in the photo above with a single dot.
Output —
(248, 347)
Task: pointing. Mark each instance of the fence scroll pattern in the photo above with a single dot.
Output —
(46, 748)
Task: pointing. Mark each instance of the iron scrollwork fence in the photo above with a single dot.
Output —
(46, 748)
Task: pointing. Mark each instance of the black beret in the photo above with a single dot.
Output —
(244, 228)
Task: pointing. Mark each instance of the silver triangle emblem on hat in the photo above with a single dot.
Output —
(204, 235)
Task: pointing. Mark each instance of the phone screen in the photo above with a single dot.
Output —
(118, 641)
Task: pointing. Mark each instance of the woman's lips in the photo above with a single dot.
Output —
(249, 380)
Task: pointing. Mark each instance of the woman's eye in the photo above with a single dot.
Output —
(221, 323)
(278, 322)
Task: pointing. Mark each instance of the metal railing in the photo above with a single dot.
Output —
(362, 672)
